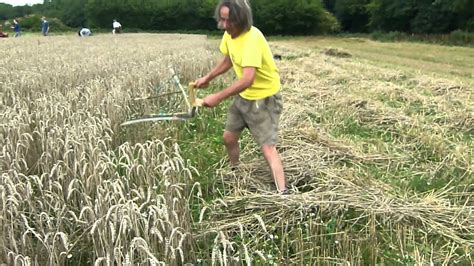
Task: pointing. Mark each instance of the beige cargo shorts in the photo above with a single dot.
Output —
(261, 117)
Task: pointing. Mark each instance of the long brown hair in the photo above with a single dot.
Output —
(240, 13)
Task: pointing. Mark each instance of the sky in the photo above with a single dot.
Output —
(21, 2)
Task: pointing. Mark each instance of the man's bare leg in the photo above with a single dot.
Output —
(231, 141)
(276, 167)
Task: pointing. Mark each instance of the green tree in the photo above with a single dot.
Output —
(352, 14)
(330, 5)
(9, 12)
(74, 13)
(294, 17)
(5, 11)
(421, 16)
(391, 15)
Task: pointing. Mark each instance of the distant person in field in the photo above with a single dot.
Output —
(16, 28)
(3, 34)
(44, 26)
(117, 27)
(84, 32)
(257, 103)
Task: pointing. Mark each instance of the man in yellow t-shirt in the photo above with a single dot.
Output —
(257, 102)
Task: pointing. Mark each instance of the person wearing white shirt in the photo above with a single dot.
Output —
(117, 27)
(84, 32)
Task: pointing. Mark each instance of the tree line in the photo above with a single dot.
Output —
(286, 17)
(410, 16)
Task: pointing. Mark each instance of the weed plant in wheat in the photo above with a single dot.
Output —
(377, 146)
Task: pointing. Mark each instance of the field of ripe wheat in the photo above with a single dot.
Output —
(376, 140)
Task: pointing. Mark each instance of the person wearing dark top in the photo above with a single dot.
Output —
(44, 26)
(16, 28)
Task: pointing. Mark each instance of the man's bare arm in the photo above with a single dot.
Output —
(240, 85)
(223, 66)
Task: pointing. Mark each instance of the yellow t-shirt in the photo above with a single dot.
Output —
(250, 49)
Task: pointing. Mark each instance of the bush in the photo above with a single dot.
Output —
(329, 23)
(388, 37)
(459, 37)
(296, 17)
(470, 25)
(33, 23)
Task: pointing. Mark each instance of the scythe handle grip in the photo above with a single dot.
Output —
(192, 96)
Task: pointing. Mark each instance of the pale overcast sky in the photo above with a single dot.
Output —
(21, 2)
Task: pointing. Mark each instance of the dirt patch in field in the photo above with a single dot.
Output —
(336, 52)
